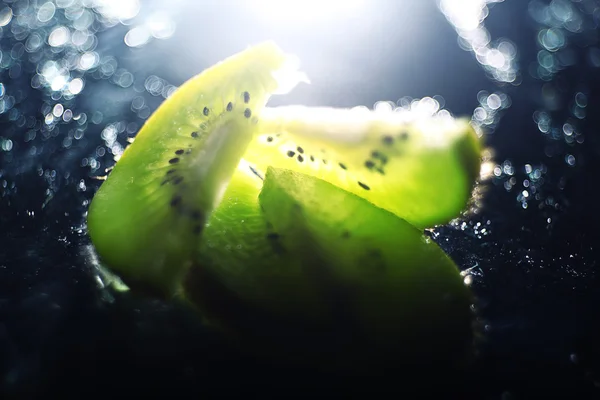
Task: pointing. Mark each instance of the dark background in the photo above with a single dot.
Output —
(533, 269)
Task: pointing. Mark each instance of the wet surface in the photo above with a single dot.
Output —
(77, 78)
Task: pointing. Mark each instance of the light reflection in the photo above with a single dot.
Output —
(6, 15)
(59, 36)
(491, 106)
(160, 25)
(6, 144)
(46, 12)
(138, 36)
(561, 39)
(34, 42)
(88, 60)
(67, 115)
(301, 11)
(76, 86)
(499, 59)
(570, 159)
(58, 109)
(58, 82)
(121, 10)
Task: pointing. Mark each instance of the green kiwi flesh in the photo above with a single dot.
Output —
(332, 268)
(146, 218)
(422, 170)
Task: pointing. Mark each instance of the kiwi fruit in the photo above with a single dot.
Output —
(146, 218)
(296, 230)
(422, 170)
(333, 269)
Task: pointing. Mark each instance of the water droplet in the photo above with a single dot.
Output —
(88, 60)
(552, 39)
(137, 36)
(7, 145)
(76, 86)
(46, 12)
(493, 101)
(581, 100)
(6, 15)
(58, 109)
(570, 159)
(119, 9)
(59, 36)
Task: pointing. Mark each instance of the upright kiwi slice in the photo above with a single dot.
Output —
(421, 170)
(146, 218)
(316, 257)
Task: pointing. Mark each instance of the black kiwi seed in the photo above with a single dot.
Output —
(300, 150)
(291, 153)
(178, 180)
(246, 97)
(229, 106)
(206, 111)
(380, 156)
(362, 185)
(195, 215)
(324, 161)
(269, 139)
(164, 182)
(174, 160)
(369, 164)
(179, 152)
(194, 134)
(171, 171)
(343, 166)
(312, 158)
(387, 140)
(273, 236)
(247, 113)
(176, 200)
(404, 135)
(300, 158)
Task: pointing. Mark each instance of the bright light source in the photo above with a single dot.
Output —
(304, 10)
(117, 9)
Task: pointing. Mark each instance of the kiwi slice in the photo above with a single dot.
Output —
(421, 165)
(240, 251)
(330, 266)
(146, 218)
(326, 246)
(422, 170)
